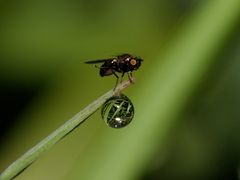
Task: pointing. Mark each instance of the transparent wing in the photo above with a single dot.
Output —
(98, 61)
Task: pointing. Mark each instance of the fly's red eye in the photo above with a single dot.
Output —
(133, 62)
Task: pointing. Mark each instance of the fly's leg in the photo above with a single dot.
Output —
(130, 77)
(116, 81)
(122, 77)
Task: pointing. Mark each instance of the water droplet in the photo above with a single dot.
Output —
(118, 111)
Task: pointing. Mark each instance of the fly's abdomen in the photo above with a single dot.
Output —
(106, 72)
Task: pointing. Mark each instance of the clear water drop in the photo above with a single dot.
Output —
(118, 111)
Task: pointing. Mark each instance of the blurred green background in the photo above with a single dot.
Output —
(186, 97)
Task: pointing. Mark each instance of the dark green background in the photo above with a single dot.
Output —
(43, 82)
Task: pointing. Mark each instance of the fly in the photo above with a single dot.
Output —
(124, 63)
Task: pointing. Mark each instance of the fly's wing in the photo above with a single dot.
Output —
(98, 61)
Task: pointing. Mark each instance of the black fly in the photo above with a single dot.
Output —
(124, 63)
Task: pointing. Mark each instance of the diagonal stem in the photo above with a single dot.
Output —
(31, 155)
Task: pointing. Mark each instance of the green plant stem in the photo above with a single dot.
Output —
(31, 155)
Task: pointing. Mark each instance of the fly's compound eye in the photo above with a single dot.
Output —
(133, 62)
(118, 111)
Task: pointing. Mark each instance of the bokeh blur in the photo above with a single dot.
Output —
(195, 120)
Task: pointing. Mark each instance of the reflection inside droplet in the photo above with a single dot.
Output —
(118, 111)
